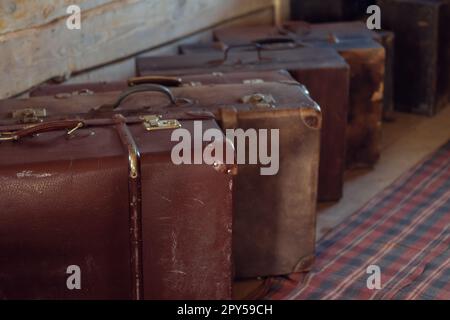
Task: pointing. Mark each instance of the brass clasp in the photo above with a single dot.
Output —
(154, 122)
(260, 100)
(29, 115)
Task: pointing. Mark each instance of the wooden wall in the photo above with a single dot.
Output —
(36, 46)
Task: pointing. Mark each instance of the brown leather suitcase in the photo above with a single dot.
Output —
(322, 71)
(107, 199)
(65, 90)
(355, 30)
(348, 30)
(422, 63)
(214, 46)
(329, 10)
(366, 59)
(205, 47)
(274, 222)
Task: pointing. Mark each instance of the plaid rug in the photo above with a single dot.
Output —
(404, 231)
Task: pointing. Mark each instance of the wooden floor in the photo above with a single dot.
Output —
(406, 141)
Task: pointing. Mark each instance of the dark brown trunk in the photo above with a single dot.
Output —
(422, 55)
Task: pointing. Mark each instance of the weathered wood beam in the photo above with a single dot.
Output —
(109, 32)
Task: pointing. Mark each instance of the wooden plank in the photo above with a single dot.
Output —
(16, 15)
(109, 32)
(264, 16)
(123, 70)
(117, 71)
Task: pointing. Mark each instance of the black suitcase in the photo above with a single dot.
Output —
(422, 53)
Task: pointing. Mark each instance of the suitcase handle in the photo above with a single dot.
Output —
(70, 125)
(161, 80)
(259, 46)
(254, 45)
(274, 40)
(144, 88)
(293, 40)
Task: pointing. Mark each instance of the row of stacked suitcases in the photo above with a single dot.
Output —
(89, 180)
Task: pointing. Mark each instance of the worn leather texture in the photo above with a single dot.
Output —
(354, 30)
(274, 227)
(322, 71)
(366, 59)
(66, 90)
(65, 201)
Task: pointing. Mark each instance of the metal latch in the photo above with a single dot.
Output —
(260, 100)
(154, 122)
(29, 115)
(253, 81)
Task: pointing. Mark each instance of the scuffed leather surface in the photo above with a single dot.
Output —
(277, 198)
(366, 59)
(65, 202)
(274, 226)
(322, 70)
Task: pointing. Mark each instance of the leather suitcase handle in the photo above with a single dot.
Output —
(274, 40)
(254, 45)
(144, 88)
(227, 50)
(259, 46)
(70, 125)
(162, 80)
(294, 40)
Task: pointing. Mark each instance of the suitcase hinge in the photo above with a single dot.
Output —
(154, 122)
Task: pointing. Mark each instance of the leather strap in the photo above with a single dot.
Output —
(43, 127)
(135, 207)
(64, 123)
